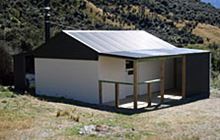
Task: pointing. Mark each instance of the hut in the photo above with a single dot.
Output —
(103, 66)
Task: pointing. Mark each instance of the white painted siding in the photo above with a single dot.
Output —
(112, 69)
(73, 79)
(78, 79)
(149, 70)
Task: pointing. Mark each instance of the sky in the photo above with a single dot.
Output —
(215, 3)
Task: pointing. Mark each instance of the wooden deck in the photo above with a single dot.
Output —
(170, 95)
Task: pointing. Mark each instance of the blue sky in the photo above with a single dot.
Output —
(216, 3)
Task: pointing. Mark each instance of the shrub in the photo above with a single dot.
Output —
(6, 66)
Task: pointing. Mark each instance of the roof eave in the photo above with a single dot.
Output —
(150, 57)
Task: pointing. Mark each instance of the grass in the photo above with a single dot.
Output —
(5, 92)
(12, 116)
(208, 32)
(23, 116)
(10, 120)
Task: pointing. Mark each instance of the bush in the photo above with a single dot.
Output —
(215, 83)
(5, 92)
(215, 50)
(5, 67)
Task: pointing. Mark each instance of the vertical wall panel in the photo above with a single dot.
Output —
(72, 79)
(197, 75)
(19, 72)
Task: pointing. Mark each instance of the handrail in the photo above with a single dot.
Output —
(128, 83)
(117, 83)
(149, 81)
(114, 82)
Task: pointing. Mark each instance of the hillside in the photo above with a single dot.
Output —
(28, 117)
(21, 22)
(180, 22)
(209, 33)
(162, 17)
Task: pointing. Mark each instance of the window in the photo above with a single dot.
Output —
(129, 67)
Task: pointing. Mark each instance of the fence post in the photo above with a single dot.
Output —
(149, 94)
(116, 95)
(100, 92)
(162, 78)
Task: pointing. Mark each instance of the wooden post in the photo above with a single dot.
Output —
(184, 77)
(135, 84)
(175, 72)
(100, 92)
(116, 95)
(149, 94)
(162, 80)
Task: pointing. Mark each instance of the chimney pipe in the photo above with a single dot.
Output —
(47, 19)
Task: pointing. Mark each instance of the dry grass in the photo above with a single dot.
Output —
(25, 117)
(208, 32)
(10, 120)
(180, 25)
(71, 114)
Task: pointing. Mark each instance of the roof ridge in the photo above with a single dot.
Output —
(103, 31)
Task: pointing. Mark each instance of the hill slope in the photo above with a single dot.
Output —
(21, 22)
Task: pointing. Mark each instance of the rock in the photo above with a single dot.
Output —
(95, 130)
(88, 130)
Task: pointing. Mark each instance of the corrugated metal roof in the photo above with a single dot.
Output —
(155, 52)
(129, 43)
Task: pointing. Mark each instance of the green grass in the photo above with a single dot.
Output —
(6, 93)
(73, 130)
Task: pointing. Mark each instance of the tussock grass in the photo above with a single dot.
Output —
(68, 113)
(10, 120)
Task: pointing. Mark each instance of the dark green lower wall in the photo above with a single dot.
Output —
(198, 75)
(19, 72)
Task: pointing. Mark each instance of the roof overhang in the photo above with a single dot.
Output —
(154, 54)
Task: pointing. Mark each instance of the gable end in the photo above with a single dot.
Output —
(62, 46)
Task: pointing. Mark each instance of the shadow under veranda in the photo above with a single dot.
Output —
(108, 108)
